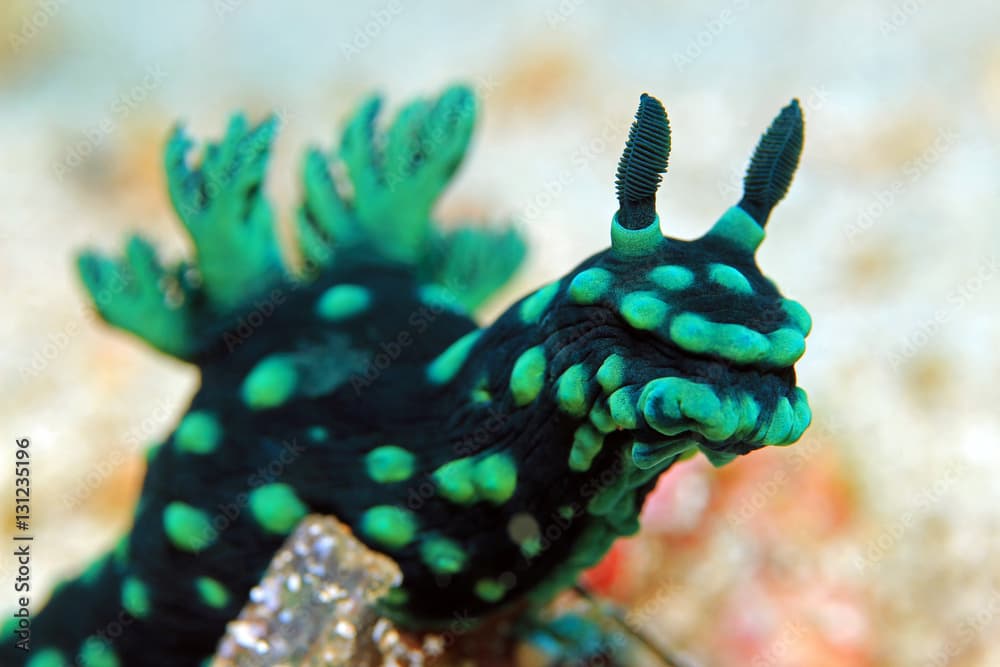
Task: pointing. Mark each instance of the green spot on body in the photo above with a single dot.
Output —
(798, 316)
(730, 278)
(389, 463)
(587, 443)
(211, 592)
(442, 555)
(270, 383)
(590, 285)
(454, 481)
(317, 433)
(199, 433)
(496, 478)
(533, 306)
(446, 366)
(672, 277)
(636, 242)
(277, 508)
(786, 347)
(49, 657)
(601, 419)
(342, 302)
(95, 652)
(528, 375)
(390, 526)
(690, 332)
(490, 590)
(738, 227)
(531, 547)
(611, 374)
(621, 404)
(571, 390)
(135, 597)
(189, 529)
(643, 310)
(733, 342)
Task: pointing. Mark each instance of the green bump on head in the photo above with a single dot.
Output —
(636, 242)
(738, 227)
(691, 332)
(490, 590)
(587, 443)
(786, 347)
(390, 526)
(798, 316)
(730, 278)
(738, 343)
(447, 365)
(672, 277)
(533, 306)
(277, 508)
(95, 652)
(199, 433)
(189, 529)
(442, 556)
(49, 657)
(571, 390)
(342, 302)
(496, 478)
(590, 285)
(270, 383)
(455, 481)
(528, 375)
(622, 407)
(643, 310)
(389, 463)
(211, 592)
(135, 597)
(611, 374)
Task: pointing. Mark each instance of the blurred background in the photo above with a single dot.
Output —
(873, 541)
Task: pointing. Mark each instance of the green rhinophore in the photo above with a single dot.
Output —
(455, 481)
(95, 652)
(277, 508)
(271, 383)
(496, 478)
(571, 390)
(611, 374)
(587, 443)
(643, 310)
(447, 365)
(135, 597)
(188, 528)
(636, 242)
(390, 526)
(342, 302)
(442, 555)
(389, 463)
(536, 304)
(588, 286)
(199, 433)
(730, 278)
(738, 227)
(48, 657)
(212, 592)
(672, 277)
(528, 375)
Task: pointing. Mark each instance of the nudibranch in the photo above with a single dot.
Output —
(491, 463)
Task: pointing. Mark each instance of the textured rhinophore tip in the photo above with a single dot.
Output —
(644, 160)
(773, 164)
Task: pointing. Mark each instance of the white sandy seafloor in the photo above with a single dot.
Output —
(890, 235)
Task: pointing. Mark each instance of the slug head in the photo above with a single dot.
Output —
(704, 344)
